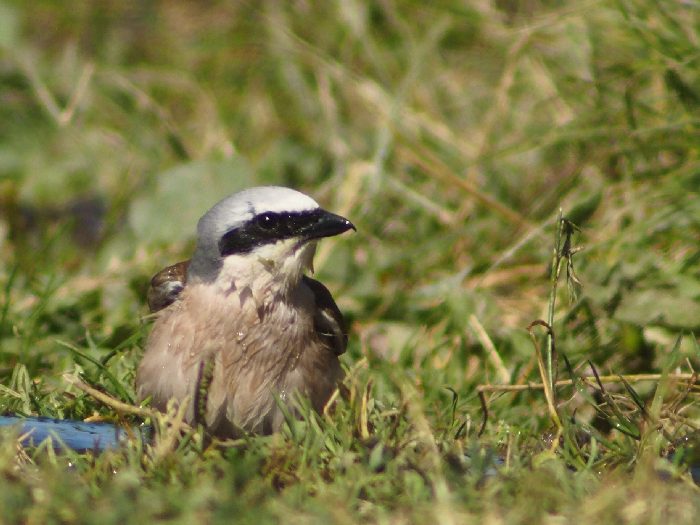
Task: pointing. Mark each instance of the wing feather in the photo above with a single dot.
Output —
(166, 286)
(328, 320)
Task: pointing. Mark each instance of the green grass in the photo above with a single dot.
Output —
(450, 133)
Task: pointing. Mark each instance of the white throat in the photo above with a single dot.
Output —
(273, 268)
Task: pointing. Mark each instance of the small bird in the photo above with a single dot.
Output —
(240, 330)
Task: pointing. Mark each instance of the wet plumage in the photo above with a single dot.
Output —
(244, 310)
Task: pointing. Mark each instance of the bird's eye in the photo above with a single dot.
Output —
(268, 221)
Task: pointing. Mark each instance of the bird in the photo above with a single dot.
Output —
(240, 330)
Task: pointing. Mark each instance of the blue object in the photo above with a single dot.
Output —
(75, 435)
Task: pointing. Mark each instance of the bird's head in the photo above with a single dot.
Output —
(268, 228)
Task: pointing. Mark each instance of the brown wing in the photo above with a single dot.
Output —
(166, 285)
(328, 321)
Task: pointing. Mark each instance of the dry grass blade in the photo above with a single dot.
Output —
(490, 348)
(687, 379)
(547, 382)
(107, 400)
(205, 376)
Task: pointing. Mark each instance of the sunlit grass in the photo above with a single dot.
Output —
(451, 134)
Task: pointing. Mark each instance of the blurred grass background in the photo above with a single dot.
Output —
(450, 133)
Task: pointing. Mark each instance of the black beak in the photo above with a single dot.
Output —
(326, 224)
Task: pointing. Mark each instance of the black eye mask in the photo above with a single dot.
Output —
(270, 227)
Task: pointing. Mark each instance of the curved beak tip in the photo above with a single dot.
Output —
(328, 225)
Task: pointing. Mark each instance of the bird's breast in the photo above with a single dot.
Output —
(261, 344)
